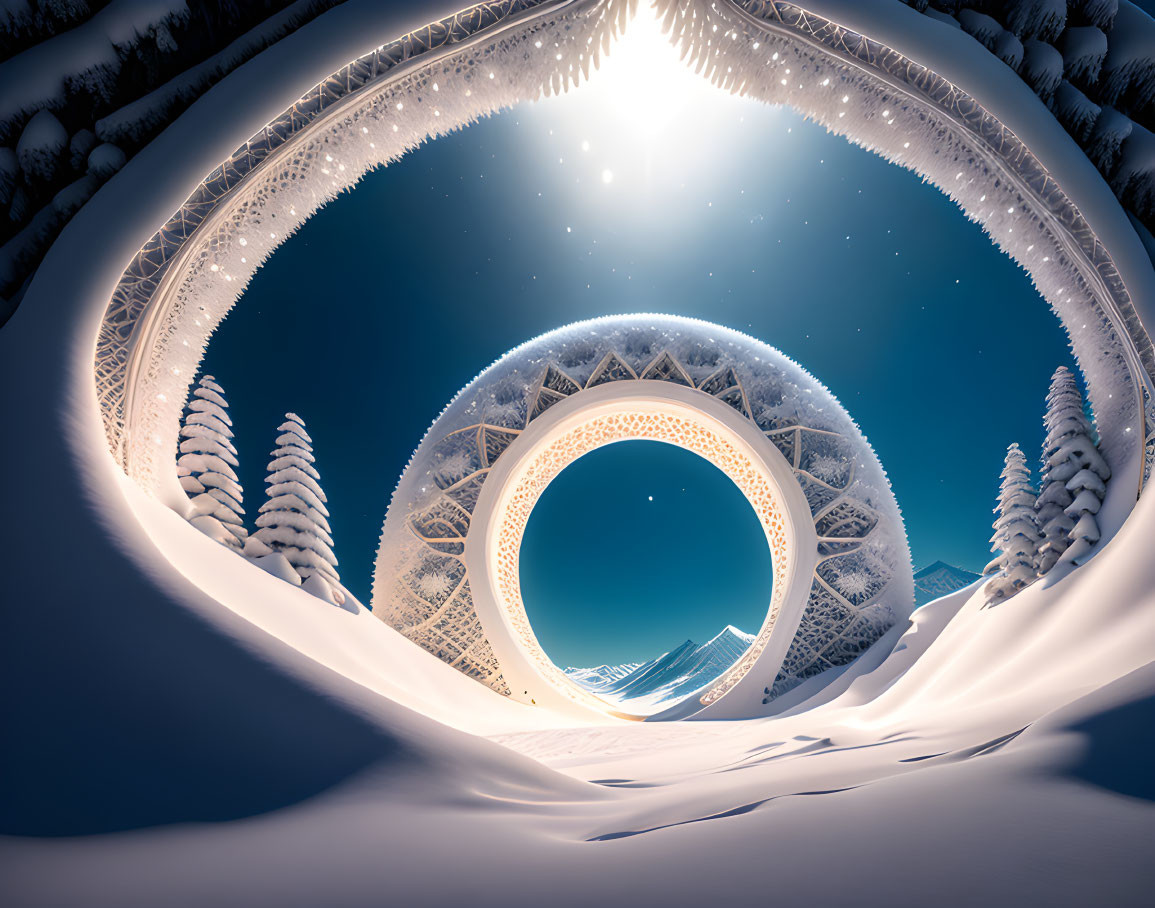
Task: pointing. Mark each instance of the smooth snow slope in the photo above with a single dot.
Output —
(1008, 761)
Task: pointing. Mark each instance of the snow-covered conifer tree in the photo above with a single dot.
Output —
(1074, 476)
(205, 466)
(294, 520)
(1016, 537)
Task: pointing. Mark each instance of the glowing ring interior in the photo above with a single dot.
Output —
(655, 411)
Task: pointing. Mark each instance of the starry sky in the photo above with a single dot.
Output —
(646, 190)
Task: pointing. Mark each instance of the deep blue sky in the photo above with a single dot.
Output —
(395, 295)
(623, 535)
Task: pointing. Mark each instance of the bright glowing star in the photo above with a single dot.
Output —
(607, 176)
(400, 106)
(651, 498)
(650, 118)
(569, 230)
(537, 44)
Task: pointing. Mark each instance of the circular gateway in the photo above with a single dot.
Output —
(447, 572)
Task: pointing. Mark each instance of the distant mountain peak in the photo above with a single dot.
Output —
(730, 631)
(940, 579)
(681, 671)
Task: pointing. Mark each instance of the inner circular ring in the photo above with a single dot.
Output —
(650, 411)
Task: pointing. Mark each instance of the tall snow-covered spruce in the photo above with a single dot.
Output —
(293, 522)
(205, 466)
(1074, 476)
(1016, 537)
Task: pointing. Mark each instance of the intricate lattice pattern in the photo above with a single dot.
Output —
(862, 581)
(185, 279)
(858, 87)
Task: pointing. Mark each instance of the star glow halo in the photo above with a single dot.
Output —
(644, 124)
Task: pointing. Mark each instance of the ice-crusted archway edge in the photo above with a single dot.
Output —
(977, 132)
(447, 576)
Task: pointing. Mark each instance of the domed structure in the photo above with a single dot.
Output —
(447, 567)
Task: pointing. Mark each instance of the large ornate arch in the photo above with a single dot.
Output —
(446, 574)
(186, 278)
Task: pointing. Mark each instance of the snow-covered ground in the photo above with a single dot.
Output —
(1006, 749)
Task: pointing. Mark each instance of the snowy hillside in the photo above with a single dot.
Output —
(642, 687)
(87, 85)
(940, 579)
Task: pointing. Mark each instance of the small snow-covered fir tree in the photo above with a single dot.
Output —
(1016, 537)
(1074, 476)
(206, 466)
(294, 520)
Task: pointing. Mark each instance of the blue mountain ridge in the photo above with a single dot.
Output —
(939, 579)
(670, 676)
(691, 667)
